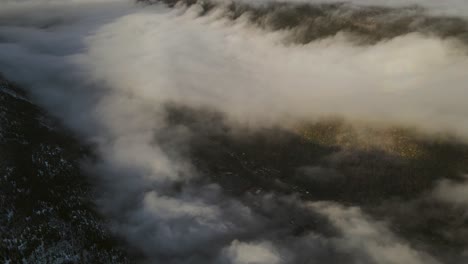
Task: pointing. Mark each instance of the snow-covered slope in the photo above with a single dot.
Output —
(45, 212)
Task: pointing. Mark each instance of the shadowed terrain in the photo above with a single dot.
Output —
(46, 211)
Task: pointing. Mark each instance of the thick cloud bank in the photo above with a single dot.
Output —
(117, 73)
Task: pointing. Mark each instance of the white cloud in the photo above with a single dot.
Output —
(372, 239)
(251, 253)
(453, 192)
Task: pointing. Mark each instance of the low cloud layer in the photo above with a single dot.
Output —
(110, 69)
(453, 192)
(243, 78)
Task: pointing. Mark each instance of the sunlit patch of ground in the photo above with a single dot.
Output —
(398, 141)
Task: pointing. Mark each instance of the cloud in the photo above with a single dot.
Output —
(452, 192)
(381, 83)
(250, 253)
(372, 239)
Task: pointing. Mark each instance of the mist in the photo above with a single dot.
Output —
(111, 70)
